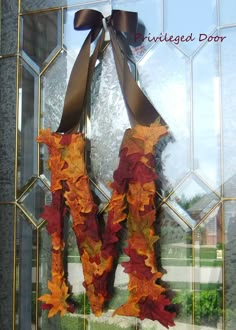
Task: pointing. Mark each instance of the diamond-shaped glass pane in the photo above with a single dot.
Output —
(193, 200)
(34, 200)
(187, 18)
(41, 37)
(149, 25)
(26, 271)
(27, 125)
(163, 75)
(206, 116)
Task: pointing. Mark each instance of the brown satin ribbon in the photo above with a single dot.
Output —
(79, 84)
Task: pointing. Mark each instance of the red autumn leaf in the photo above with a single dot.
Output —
(71, 308)
(95, 259)
(46, 306)
(143, 174)
(53, 218)
(101, 284)
(155, 310)
(136, 265)
(124, 171)
(66, 139)
(90, 227)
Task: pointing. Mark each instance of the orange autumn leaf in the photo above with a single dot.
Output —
(141, 244)
(130, 308)
(150, 135)
(143, 288)
(132, 146)
(57, 242)
(57, 263)
(79, 194)
(138, 196)
(57, 298)
(73, 155)
(96, 300)
(91, 246)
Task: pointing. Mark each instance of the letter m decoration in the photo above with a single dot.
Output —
(132, 202)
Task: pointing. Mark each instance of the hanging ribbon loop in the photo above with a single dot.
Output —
(79, 84)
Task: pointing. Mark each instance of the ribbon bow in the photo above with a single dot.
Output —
(81, 76)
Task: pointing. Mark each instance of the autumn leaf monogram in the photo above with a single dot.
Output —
(133, 200)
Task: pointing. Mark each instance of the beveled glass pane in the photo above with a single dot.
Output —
(192, 200)
(7, 223)
(230, 262)
(191, 19)
(208, 281)
(34, 200)
(7, 128)
(206, 116)
(27, 124)
(25, 273)
(41, 37)
(29, 5)
(227, 12)
(53, 89)
(176, 259)
(228, 69)
(149, 25)
(163, 76)
(73, 39)
(106, 123)
(8, 27)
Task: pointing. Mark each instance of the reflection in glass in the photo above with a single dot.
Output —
(34, 200)
(228, 62)
(230, 262)
(27, 125)
(44, 276)
(176, 258)
(25, 274)
(185, 18)
(163, 76)
(208, 271)
(150, 24)
(206, 96)
(192, 200)
(227, 12)
(41, 37)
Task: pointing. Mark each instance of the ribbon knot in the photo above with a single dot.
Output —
(119, 21)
